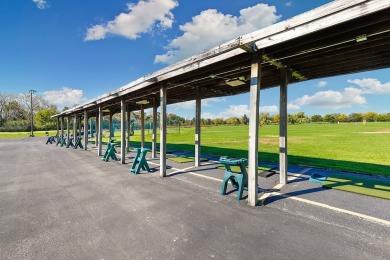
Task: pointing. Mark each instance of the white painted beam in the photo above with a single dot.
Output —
(283, 162)
(198, 105)
(254, 129)
(123, 131)
(163, 130)
(154, 133)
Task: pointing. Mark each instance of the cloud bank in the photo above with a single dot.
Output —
(141, 18)
(349, 97)
(64, 97)
(211, 28)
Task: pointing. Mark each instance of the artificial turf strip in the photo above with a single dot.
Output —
(367, 186)
(185, 159)
(260, 169)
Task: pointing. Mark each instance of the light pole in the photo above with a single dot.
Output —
(32, 114)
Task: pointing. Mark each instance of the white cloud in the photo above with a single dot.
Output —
(210, 28)
(234, 111)
(141, 18)
(269, 109)
(331, 99)
(372, 86)
(207, 115)
(291, 106)
(64, 97)
(322, 84)
(189, 105)
(41, 4)
(289, 3)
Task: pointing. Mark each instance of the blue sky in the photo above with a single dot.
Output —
(72, 51)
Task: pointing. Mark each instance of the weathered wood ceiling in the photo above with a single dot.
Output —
(326, 52)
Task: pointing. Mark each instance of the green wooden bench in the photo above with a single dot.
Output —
(50, 140)
(70, 143)
(110, 152)
(140, 161)
(78, 143)
(239, 180)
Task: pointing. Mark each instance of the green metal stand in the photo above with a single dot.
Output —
(140, 161)
(50, 140)
(238, 180)
(110, 153)
(78, 143)
(70, 143)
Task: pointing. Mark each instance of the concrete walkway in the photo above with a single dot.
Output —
(58, 203)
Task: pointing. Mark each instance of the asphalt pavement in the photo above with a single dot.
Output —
(59, 203)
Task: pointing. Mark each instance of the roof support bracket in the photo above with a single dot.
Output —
(280, 65)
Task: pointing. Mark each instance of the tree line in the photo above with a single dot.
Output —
(15, 115)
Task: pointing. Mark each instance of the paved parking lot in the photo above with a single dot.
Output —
(59, 203)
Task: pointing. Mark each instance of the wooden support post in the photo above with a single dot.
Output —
(75, 128)
(142, 126)
(123, 131)
(58, 126)
(128, 123)
(283, 163)
(62, 127)
(67, 129)
(97, 128)
(110, 127)
(100, 133)
(79, 124)
(254, 129)
(86, 129)
(163, 130)
(197, 126)
(154, 133)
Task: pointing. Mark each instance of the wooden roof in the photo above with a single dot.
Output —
(344, 36)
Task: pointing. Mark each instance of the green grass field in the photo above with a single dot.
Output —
(24, 134)
(350, 147)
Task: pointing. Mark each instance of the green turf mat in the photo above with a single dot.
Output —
(367, 186)
(185, 159)
(260, 168)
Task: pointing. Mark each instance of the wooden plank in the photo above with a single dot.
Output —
(254, 129)
(291, 32)
(67, 129)
(142, 126)
(163, 130)
(123, 131)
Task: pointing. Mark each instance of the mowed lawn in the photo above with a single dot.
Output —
(349, 147)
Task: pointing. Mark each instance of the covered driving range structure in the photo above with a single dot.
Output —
(344, 36)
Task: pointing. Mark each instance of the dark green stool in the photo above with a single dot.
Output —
(140, 161)
(238, 180)
(110, 152)
(70, 143)
(62, 141)
(50, 140)
(78, 143)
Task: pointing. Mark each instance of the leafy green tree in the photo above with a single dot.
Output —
(342, 118)
(245, 120)
(331, 118)
(355, 117)
(370, 116)
(317, 118)
(43, 118)
(218, 121)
